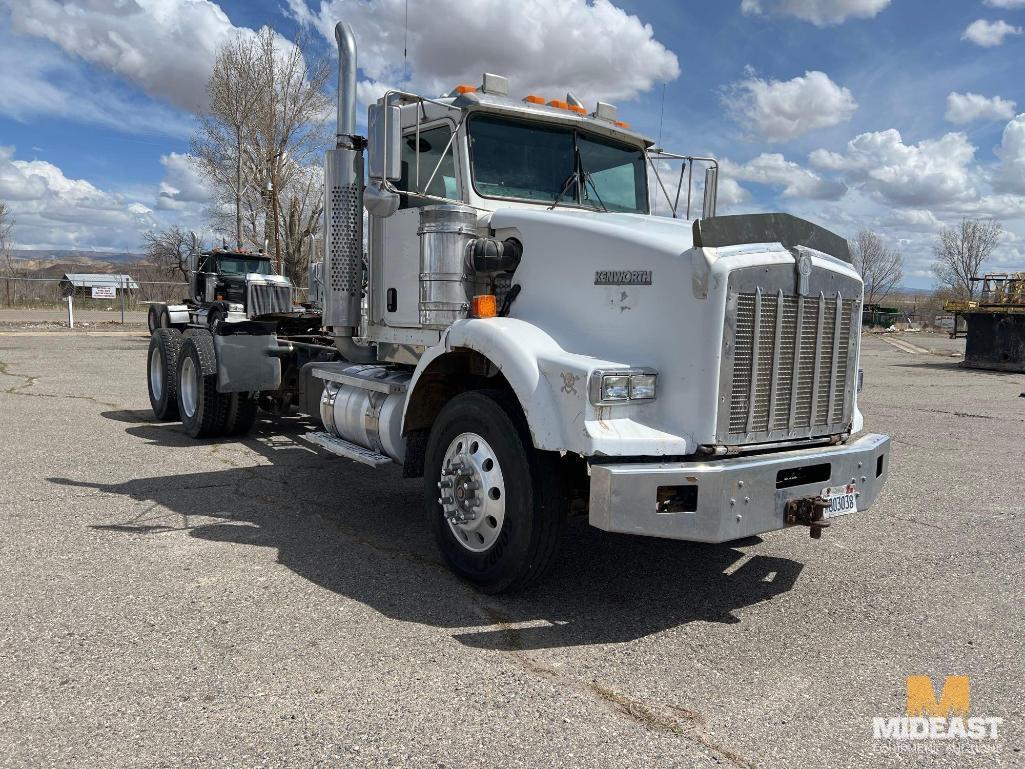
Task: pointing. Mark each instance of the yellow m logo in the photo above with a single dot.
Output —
(953, 698)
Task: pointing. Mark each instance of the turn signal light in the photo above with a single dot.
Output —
(484, 306)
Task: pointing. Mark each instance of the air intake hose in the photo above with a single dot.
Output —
(490, 255)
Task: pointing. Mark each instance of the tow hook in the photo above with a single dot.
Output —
(808, 511)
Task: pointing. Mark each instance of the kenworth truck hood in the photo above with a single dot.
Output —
(628, 290)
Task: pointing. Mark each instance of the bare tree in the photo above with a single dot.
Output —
(169, 251)
(6, 242)
(881, 268)
(235, 93)
(262, 159)
(960, 252)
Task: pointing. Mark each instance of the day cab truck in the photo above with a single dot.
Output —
(528, 338)
(228, 286)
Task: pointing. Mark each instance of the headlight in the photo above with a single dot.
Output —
(622, 386)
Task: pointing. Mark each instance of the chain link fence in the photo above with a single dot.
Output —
(51, 293)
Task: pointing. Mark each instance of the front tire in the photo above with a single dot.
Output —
(162, 372)
(204, 411)
(493, 501)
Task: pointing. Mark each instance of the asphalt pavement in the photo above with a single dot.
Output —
(171, 603)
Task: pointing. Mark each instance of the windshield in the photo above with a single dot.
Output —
(531, 161)
(239, 265)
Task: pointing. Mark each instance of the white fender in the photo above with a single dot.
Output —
(551, 386)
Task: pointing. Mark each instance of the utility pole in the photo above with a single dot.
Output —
(274, 209)
(272, 161)
(238, 194)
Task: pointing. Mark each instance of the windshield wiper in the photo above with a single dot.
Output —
(565, 186)
(587, 179)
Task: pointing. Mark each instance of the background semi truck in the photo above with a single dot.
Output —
(526, 336)
(227, 286)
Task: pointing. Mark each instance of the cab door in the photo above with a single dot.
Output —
(394, 240)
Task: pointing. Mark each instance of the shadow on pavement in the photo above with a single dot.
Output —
(362, 534)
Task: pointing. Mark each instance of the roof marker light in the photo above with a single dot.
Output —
(534, 99)
(464, 88)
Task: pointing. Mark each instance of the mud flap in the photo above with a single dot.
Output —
(247, 358)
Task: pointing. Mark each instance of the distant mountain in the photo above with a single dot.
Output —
(39, 257)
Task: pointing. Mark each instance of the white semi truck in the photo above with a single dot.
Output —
(522, 333)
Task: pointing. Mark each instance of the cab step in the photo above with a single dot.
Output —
(344, 448)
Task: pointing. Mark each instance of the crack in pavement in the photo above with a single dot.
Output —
(963, 414)
(30, 381)
(673, 719)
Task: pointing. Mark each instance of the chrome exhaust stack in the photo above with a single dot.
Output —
(343, 202)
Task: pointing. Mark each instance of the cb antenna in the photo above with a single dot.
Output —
(661, 113)
(405, 41)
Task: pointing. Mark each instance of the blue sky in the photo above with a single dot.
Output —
(897, 115)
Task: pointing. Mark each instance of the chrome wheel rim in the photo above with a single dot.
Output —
(472, 492)
(189, 386)
(156, 373)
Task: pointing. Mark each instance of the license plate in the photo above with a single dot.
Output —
(842, 500)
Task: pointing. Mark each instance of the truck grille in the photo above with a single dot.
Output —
(268, 299)
(791, 367)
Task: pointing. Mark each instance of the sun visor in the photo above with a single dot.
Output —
(789, 231)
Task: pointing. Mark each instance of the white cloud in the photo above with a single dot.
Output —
(38, 81)
(775, 170)
(594, 49)
(821, 13)
(967, 107)
(165, 47)
(1009, 175)
(1010, 4)
(912, 219)
(52, 210)
(989, 33)
(932, 172)
(780, 110)
(182, 185)
(729, 193)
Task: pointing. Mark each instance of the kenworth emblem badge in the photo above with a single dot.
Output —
(803, 272)
(622, 278)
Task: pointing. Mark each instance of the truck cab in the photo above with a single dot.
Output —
(237, 285)
(530, 338)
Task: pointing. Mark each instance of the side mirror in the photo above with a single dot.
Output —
(384, 143)
(379, 202)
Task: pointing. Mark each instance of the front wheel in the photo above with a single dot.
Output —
(493, 501)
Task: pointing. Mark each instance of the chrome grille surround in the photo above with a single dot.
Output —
(788, 365)
(266, 299)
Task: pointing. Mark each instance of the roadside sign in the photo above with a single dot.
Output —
(104, 292)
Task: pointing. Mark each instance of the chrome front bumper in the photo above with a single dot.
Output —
(725, 499)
